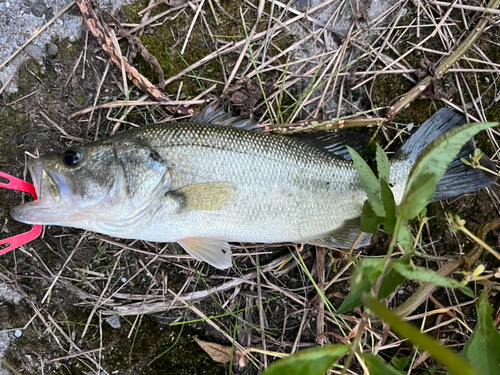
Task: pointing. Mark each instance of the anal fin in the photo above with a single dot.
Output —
(343, 237)
(215, 251)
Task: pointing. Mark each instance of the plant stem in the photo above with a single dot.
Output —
(479, 241)
(444, 355)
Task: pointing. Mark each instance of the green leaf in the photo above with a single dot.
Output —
(413, 272)
(369, 219)
(389, 206)
(431, 165)
(405, 239)
(399, 363)
(314, 361)
(443, 354)
(363, 278)
(383, 167)
(483, 348)
(377, 366)
(392, 279)
(369, 182)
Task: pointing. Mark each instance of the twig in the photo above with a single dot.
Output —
(138, 79)
(467, 7)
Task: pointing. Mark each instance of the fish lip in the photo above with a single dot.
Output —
(46, 209)
(35, 168)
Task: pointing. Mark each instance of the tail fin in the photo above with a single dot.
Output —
(459, 178)
(439, 123)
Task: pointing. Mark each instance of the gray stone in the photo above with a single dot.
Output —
(114, 321)
(52, 50)
(38, 9)
(35, 52)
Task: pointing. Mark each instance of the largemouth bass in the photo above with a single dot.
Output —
(205, 185)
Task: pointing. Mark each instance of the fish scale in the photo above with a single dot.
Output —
(296, 184)
(204, 186)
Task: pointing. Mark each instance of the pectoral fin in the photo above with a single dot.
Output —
(215, 251)
(343, 237)
(207, 196)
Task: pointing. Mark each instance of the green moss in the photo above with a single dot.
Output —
(152, 340)
(81, 99)
(67, 50)
(129, 13)
(165, 43)
(27, 78)
(12, 124)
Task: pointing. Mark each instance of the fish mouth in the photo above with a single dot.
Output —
(47, 209)
(35, 168)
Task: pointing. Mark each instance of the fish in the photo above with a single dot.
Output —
(217, 179)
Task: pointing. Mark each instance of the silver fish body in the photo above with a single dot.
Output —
(202, 186)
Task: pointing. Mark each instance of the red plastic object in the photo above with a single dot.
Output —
(20, 239)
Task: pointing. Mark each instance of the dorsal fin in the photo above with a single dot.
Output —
(219, 117)
(335, 142)
(332, 142)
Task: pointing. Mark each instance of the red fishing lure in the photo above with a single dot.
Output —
(20, 239)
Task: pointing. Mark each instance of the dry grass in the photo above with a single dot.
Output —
(267, 304)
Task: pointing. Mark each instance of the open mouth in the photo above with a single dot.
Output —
(36, 170)
(46, 209)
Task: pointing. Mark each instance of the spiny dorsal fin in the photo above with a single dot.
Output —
(332, 142)
(219, 117)
(215, 251)
(335, 142)
(344, 236)
(208, 196)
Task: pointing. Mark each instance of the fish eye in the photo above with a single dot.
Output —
(71, 157)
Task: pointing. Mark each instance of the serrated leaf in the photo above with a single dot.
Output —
(425, 275)
(383, 167)
(377, 366)
(389, 206)
(364, 276)
(370, 183)
(483, 348)
(430, 166)
(314, 361)
(369, 219)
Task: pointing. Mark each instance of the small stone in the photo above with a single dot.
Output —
(124, 280)
(114, 321)
(38, 9)
(18, 333)
(34, 51)
(52, 50)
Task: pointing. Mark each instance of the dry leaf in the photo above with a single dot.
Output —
(218, 352)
